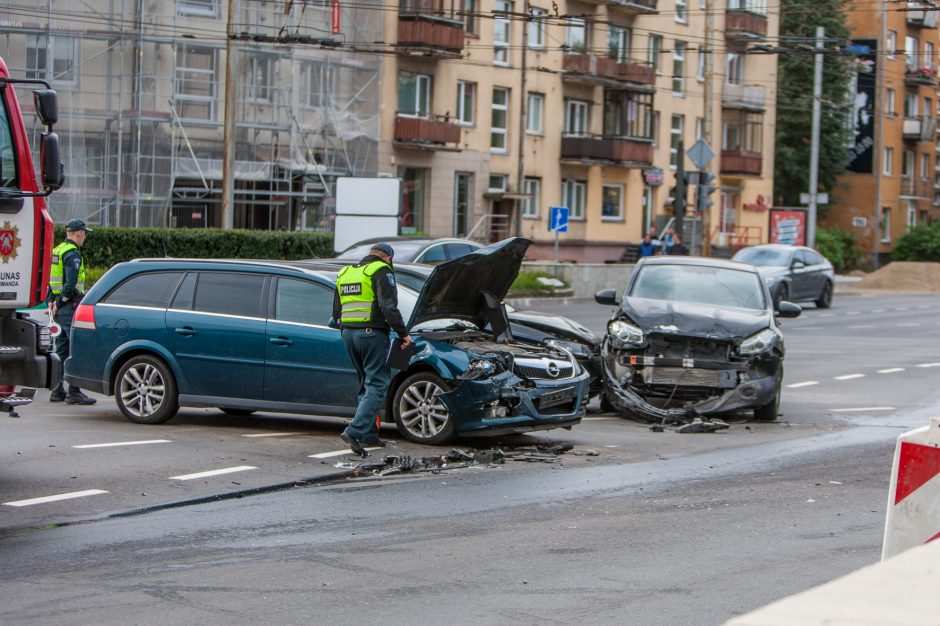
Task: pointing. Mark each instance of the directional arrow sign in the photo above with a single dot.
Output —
(701, 154)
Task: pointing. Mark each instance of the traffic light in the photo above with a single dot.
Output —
(678, 195)
(706, 187)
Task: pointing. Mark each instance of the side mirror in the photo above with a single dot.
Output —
(788, 309)
(606, 296)
(47, 107)
(53, 171)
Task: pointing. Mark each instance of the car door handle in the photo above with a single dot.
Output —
(281, 341)
(186, 331)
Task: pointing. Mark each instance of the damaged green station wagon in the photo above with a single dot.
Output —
(248, 336)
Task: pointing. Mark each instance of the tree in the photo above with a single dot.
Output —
(798, 22)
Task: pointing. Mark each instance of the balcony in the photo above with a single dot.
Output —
(921, 15)
(427, 133)
(741, 162)
(596, 149)
(919, 128)
(742, 96)
(915, 77)
(741, 24)
(429, 36)
(594, 69)
(637, 7)
(917, 188)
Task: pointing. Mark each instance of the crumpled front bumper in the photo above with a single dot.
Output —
(506, 404)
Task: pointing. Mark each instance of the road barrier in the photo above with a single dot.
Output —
(913, 515)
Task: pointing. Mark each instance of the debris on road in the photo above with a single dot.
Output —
(394, 465)
(699, 426)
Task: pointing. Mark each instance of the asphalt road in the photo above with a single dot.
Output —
(658, 528)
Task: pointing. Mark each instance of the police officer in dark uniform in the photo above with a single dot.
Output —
(66, 288)
(366, 305)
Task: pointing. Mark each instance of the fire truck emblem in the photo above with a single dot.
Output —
(9, 241)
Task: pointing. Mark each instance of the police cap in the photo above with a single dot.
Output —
(384, 248)
(77, 224)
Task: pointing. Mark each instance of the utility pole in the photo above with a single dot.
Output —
(878, 157)
(228, 130)
(814, 148)
(707, 121)
(523, 101)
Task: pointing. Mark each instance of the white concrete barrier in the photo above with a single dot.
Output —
(913, 517)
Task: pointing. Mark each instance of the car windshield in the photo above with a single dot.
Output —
(404, 251)
(779, 257)
(719, 286)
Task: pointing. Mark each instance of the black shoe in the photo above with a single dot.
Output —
(57, 396)
(79, 398)
(354, 444)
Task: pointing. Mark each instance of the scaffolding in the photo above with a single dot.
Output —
(141, 106)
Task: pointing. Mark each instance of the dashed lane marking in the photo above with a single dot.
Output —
(854, 313)
(827, 315)
(326, 455)
(272, 435)
(902, 308)
(909, 324)
(863, 409)
(891, 370)
(56, 498)
(878, 310)
(849, 376)
(807, 328)
(803, 384)
(218, 472)
(857, 326)
(929, 365)
(122, 443)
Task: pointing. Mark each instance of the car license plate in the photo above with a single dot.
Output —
(554, 398)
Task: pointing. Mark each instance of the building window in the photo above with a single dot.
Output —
(888, 166)
(628, 114)
(260, 78)
(892, 43)
(618, 44)
(204, 8)
(910, 52)
(890, 97)
(886, 222)
(907, 164)
(752, 6)
(910, 104)
(537, 28)
(61, 68)
(499, 127)
(414, 197)
(576, 118)
(414, 94)
(466, 102)
(742, 130)
(656, 124)
(677, 128)
(499, 183)
(699, 127)
(924, 166)
(700, 70)
(195, 83)
(470, 17)
(502, 25)
(534, 108)
(681, 12)
(612, 203)
(928, 54)
(463, 194)
(531, 204)
(734, 72)
(576, 35)
(678, 68)
(318, 84)
(573, 194)
(911, 216)
(654, 52)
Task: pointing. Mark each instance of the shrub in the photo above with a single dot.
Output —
(839, 247)
(921, 243)
(527, 282)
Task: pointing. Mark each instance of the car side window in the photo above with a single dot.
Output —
(457, 250)
(184, 295)
(434, 254)
(151, 289)
(814, 258)
(303, 302)
(229, 293)
(803, 257)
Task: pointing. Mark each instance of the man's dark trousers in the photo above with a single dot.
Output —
(63, 318)
(368, 349)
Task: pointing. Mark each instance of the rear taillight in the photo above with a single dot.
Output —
(7, 390)
(84, 317)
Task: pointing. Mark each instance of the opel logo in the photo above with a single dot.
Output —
(553, 370)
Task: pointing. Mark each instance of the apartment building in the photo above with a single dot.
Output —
(490, 119)
(893, 183)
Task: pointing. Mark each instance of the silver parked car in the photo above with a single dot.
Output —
(793, 273)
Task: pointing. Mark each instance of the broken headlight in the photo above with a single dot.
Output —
(624, 333)
(479, 368)
(577, 349)
(760, 342)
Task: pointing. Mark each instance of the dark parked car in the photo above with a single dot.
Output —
(693, 337)
(248, 336)
(415, 249)
(793, 273)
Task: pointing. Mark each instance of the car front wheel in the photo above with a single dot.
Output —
(420, 415)
(146, 390)
(769, 412)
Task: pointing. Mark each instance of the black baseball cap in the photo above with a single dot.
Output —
(77, 224)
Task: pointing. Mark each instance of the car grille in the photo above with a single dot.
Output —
(681, 376)
(550, 369)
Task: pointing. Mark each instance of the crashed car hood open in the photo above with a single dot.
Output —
(555, 324)
(455, 289)
(696, 320)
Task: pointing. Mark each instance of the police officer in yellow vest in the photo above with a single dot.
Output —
(366, 306)
(66, 288)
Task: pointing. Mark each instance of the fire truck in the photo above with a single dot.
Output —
(26, 240)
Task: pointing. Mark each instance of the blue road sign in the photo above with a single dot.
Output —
(558, 222)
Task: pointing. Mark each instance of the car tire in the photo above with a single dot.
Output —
(769, 412)
(783, 292)
(419, 415)
(236, 412)
(825, 298)
(145, 390)
(606, 405)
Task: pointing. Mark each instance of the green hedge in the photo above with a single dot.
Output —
(840, 247)
(921, 243)
(108, 246)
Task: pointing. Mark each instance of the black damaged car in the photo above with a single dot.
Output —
(693, 337)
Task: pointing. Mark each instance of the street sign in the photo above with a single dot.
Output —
(821, 198)
(701, 154)
(559, 219)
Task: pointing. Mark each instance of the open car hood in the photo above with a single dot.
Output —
(472, 287)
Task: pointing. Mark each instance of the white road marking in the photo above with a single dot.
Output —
(929, 365)
(910, 324)
(827, 315)
(218, 472)
(902, 308)
(877, 310)
(849, 376)
(122, 443)
(807, 328)
(924, 306)
(804, 384)
(56, 498)
(857, 326)
(272, 435)
(891, 370)
(854, 313)
(326, 455)
(864, 408)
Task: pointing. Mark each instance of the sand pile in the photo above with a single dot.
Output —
(903, 276)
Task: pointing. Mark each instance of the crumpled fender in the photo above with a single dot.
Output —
(469, 397)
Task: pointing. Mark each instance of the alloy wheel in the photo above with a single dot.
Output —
(422, 413)
(143, 390)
